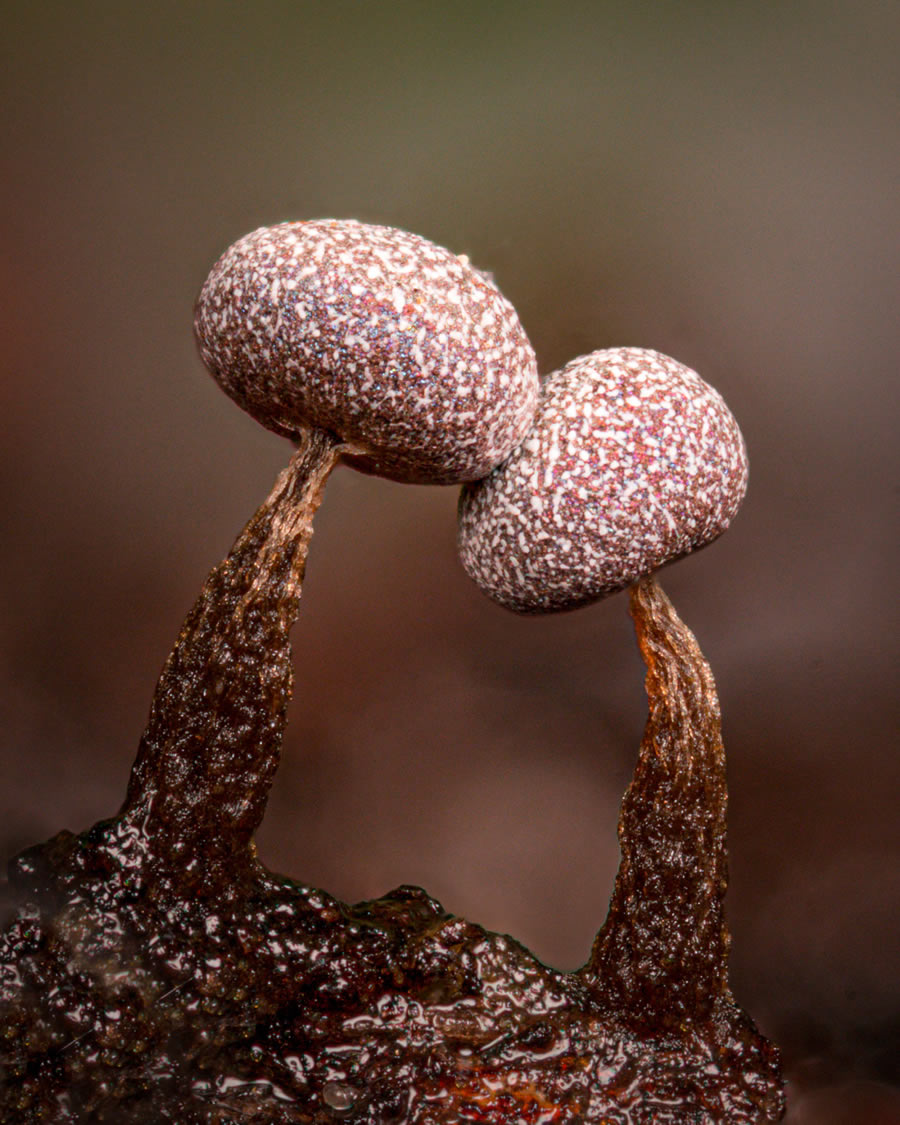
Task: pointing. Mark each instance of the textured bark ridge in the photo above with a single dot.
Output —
(152, 971)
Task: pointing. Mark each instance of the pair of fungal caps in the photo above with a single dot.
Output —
(623, 461)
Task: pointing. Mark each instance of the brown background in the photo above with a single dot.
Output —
(716, 181)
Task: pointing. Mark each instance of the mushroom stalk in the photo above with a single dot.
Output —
(661, 957)
(213, 740)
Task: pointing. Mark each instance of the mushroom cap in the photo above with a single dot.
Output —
(631, 462)
(398, 346)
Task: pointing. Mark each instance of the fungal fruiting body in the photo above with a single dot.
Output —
(365, 344)
(152, 970)
(631, 462)
(402, 348)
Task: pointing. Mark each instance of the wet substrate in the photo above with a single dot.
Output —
(152, 971)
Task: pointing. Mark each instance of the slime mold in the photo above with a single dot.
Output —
(152, 970)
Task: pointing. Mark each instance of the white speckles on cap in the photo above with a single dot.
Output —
(398, 346)
(632, 461)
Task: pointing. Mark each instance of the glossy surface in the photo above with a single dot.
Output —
(152, 971)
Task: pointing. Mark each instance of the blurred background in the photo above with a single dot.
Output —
(719, 182)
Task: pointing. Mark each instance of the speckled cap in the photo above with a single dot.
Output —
(632, 461)
(397, 345)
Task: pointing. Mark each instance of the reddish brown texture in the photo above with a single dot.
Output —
(632, 461)
(376, 334)
(720, 183)
(212, 743)
(152, 970)
(670, 966)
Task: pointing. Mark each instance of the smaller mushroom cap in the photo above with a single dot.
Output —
(631, 462)
(396, 345)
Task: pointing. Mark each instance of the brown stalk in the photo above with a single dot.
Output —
(661, 958)
(211, 747)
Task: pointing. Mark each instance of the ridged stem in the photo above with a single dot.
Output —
(661, 958)
(213, 740)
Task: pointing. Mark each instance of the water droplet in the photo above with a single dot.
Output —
(340, 1097)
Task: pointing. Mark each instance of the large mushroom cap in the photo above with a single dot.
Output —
(398, 346)
(631, 462)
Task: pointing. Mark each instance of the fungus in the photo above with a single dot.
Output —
(402, 349)
(151, 969)
(361, 343)
(631, 462)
